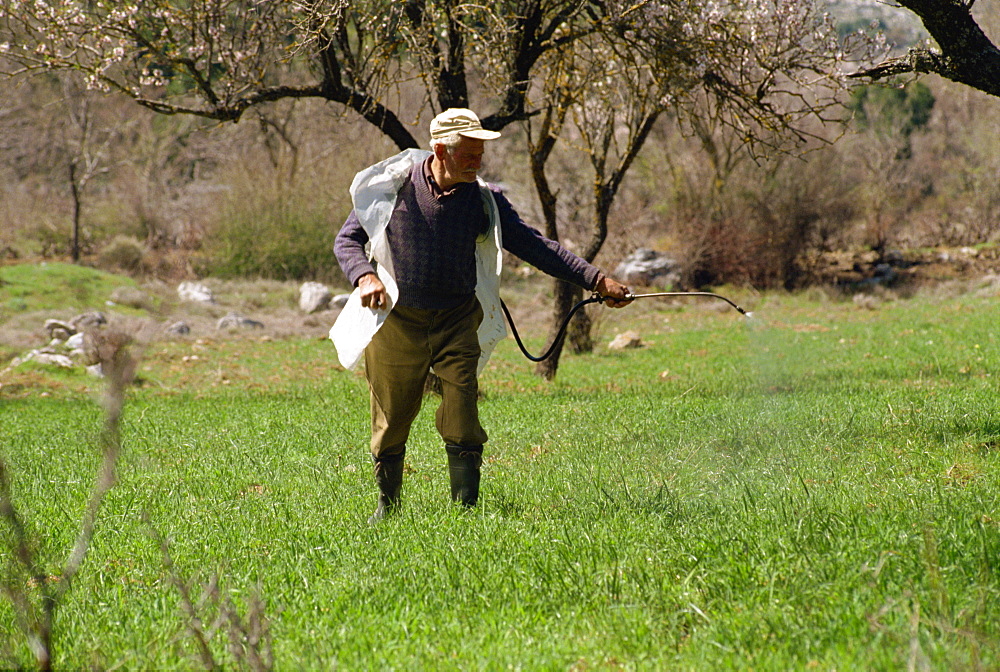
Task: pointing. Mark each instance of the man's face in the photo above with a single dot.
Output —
(463, 161)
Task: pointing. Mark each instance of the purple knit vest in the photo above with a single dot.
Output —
(433, 242)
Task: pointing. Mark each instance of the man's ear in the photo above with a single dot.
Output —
(439, 151)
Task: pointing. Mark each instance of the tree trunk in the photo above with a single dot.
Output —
(541, 149)
(580, 339)
(75, 188)
(566, 296)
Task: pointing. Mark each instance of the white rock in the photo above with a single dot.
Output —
(194, 291)
(237, 321)
(625, 341)
(866, 301)
(61, 361)
(647, 267)
(314, 296)
(59, 330)
(88, 320)
(179, 328)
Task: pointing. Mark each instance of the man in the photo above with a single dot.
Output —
(430, 300)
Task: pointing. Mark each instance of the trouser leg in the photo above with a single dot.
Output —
(455, 357)
(396, 365)
(456, 362)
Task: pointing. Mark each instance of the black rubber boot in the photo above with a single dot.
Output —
(463, 472)
(389, 478)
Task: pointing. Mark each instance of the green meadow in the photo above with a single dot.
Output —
(817, 488)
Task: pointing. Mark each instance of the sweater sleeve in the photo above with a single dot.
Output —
(349, 247)
(548, 256)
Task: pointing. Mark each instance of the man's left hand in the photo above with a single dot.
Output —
(613, 291)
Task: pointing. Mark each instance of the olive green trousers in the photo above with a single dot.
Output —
(410, 343)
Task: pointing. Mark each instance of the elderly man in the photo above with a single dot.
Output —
(427, 293)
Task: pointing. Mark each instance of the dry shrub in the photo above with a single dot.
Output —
(278, 235)
(759, 228)
(123, 253)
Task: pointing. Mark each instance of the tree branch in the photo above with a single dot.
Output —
(967, 55)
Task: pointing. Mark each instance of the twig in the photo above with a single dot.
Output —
(118, 364)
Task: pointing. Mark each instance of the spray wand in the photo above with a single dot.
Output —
(631, 296)
(598, 298)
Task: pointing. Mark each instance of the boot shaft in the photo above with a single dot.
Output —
(389, 479)
(464, 464)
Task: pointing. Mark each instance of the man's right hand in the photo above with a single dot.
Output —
(613, 292)
(373, 294)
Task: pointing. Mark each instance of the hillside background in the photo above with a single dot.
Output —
(916, 172)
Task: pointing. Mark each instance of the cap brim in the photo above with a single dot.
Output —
(482, 134)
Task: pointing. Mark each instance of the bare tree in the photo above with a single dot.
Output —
(219, 58)
(607, 113)
(73, 143)
(757, 70)
(87, 145)
(212, 615)
(965, 55)
(886, 120)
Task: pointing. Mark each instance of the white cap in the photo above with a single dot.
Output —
(462, 121)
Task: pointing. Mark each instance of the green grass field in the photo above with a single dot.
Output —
(816, 490)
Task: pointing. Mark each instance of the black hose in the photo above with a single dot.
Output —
(596, 298)
(559, 335)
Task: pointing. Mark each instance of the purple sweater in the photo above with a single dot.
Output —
(432, 236)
